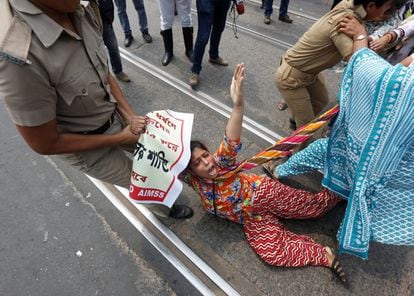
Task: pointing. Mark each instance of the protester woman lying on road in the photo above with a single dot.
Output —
(256, 201)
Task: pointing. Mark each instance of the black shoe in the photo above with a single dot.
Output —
(181, 212)
(128, 40)
(285, 19)
(147, 37)
(167, 37)
(166, 58)
(262, 6)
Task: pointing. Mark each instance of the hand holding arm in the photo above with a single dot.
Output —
(234, 125)
(350, 26)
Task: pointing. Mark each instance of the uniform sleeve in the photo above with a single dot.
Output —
(29, 98)
(343, 43)
(227, 152)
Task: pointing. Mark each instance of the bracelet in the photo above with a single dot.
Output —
(361, 37)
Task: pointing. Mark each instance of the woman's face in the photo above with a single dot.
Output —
(202, 164)
(379, 13)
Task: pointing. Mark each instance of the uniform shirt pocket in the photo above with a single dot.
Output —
(78, 94)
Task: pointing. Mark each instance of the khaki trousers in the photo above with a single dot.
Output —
(304, 93)
(112, 164)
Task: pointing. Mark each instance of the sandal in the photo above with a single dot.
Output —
(338, 271)
(282, 105)
(269, 169)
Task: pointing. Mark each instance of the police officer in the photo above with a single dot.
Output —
(298, 77)
(69, 104)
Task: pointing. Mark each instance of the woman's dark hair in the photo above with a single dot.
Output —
(193, 145)
(364, 3)
(197, 144)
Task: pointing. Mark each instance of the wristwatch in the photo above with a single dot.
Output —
(360, 37)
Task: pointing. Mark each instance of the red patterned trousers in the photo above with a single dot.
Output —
(271, 240)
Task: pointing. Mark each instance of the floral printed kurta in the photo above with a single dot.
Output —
(233, 196)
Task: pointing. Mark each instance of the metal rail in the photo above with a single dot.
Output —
(199, 96)
(110, 191)
(124, 206)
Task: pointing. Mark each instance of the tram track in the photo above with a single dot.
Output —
(204, 278)
(201, 97)
(291, 11)
(275, 41)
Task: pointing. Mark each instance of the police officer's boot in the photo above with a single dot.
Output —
(188, 42)
(167, 36)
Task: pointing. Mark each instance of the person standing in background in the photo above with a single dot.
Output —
(142, 16)
(283, 9)
(211, 22)
(106, 9)
(167, 12)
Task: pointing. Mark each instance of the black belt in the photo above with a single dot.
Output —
(102, 129)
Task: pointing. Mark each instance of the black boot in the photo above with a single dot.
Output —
(167, 36)
(188, 42)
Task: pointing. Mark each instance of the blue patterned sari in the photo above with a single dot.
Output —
(370, 157)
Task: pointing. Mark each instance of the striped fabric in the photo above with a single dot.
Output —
(271, 240)
(369, 157)
(284, 146)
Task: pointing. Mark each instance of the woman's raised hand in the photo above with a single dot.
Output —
(234, 125)
(236, 88)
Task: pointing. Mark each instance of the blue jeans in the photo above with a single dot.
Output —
(212, 16)
(283, 9)
(112, 45)
(123, 17)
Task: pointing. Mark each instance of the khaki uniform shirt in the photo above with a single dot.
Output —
(321, 47)
(48, 72)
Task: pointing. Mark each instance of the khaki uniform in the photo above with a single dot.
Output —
(298, 77)
(47, 72)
